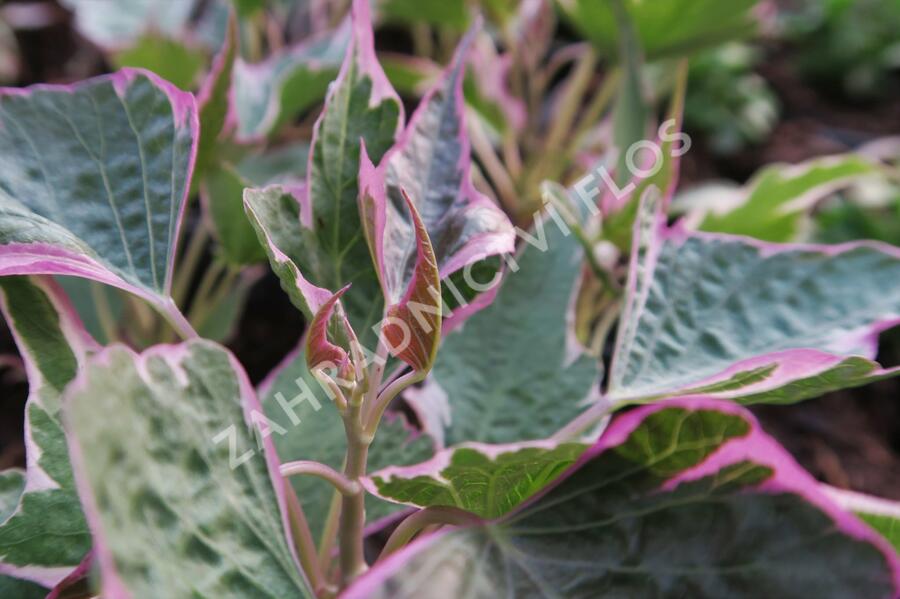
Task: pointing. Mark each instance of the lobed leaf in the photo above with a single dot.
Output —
(209, 502)
(93, 180)
(512, 372)
(43, 534)
(307, 426)
(685, 498)
(749, 320)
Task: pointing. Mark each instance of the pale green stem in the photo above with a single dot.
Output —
(303, 541)
(419, 521)
(323, 471)
(385, 397)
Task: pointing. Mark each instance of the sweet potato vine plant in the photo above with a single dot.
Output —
(166, 474)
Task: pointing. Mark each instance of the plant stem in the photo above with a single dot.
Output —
(329, 531)
(420, 520)
(303, 541)
(353, 511)
(377, 409)
(104, 311)
(326, 473)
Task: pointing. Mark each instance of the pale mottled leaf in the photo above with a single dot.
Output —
(172, 433)
(117, 24)
(43, 534)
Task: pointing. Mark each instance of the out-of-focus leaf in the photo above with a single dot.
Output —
(630, 111)
(270, 93)
(172, 60)
(773, 205)
(665, 28)
(222, 192)
(117, 24)
(452, 14)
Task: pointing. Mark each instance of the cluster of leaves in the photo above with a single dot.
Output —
(165, 473)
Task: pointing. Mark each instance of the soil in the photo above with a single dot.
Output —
(849, 439)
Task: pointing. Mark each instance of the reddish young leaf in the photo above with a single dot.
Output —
(413, 325)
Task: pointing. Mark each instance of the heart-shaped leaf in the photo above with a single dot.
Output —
(750, 320)
(174, 433)
(307, 426)
(93, 181)
(684, 498)
(43, 534)
(513, 372)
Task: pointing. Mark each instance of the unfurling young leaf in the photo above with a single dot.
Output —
(413, 324)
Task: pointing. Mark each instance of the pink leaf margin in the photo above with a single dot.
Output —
(81, 343)
(756, 446)
(45, 259)
(112, 585)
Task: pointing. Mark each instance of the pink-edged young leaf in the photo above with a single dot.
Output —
(431, 162)
(412, 327)
(750, 320)
(321, 352)
(307, 426)
(683, 498)
(94, 178)
(43, 533)
(315, 229)
(184, 440)
(214, 101)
